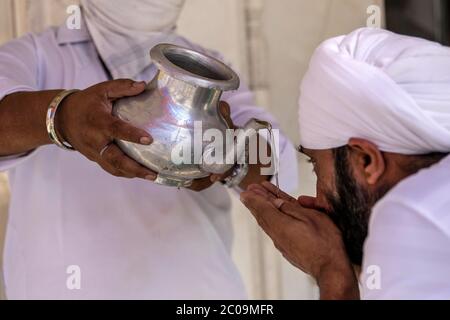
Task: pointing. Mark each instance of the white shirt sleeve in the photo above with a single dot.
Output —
(18, 72)
(406, 255)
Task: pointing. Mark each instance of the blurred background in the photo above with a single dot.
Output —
(270, 43)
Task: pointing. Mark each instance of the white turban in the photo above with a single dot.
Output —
(124, 31)
(390, 89)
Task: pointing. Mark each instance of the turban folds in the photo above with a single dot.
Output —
(390, 89)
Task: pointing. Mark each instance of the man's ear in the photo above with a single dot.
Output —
(367, 159)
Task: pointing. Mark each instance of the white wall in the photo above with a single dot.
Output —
(269, 42)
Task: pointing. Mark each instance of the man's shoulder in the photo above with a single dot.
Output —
(30, 39)
(58, 35)
(409, 238)
(47, 40)
(425, 194)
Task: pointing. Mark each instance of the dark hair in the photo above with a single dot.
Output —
(349, 205)
(418, 162)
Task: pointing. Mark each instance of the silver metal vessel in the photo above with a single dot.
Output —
(186, 91)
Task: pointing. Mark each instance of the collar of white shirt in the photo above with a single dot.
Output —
(66, 35)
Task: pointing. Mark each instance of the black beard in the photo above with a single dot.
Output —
(351, 206)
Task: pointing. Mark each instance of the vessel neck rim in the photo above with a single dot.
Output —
(182, 64)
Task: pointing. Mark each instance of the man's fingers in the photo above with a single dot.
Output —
(216, 178)
(256, 203)
(220, 177)
(260, 207)
(276, 192)
(113, 171)
(288, 208)
(284, 203)
(307, 202)
(225, 112)
(269, 218)
(225, 109)
(259, 189)
(200, 184)
(294, 210)
(131, 169)
(121, 130)
(122, 88)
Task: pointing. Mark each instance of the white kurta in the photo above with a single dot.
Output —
(407, 252)
(130, 238)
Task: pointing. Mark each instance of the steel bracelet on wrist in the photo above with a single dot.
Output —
(50, 121)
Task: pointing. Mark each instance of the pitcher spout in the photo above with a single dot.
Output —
(238, 151)
(244, 136)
